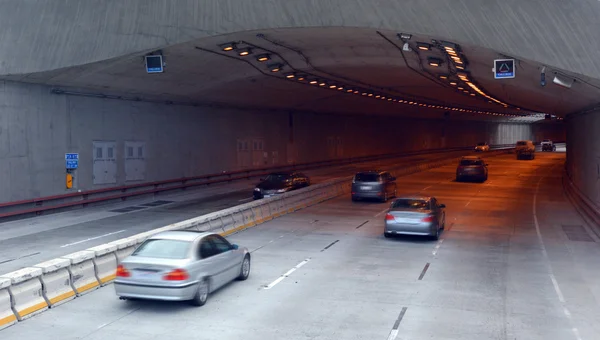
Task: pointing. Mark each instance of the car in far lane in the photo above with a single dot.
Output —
(180, 266)
(482, 147)
(415, 216)
(279, 183)
(548, 145)
(380, 185)
(471, 167)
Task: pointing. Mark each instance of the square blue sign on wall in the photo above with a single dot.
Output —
(71, 160)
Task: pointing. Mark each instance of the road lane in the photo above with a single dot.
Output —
(488, 280)
(29, 242)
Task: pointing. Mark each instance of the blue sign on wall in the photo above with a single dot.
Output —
(154, 63)
(504, 68)
(72, 160)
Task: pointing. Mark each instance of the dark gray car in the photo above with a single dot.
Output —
(380, 185)
(415, 216)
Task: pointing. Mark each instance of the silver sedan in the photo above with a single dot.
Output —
(415, 216)
(181, 265)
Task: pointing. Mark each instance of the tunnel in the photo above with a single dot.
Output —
(186, 103)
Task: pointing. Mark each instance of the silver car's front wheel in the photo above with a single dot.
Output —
(245, 271)
(201, 294)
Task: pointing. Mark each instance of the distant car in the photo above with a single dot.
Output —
(482, 147)
(279, 183)
(548, 145)
(179, 266)
(471, 167)
(525, 149)
(415, 216)
(379, 185)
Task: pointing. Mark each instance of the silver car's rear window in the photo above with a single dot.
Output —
(470, 162)
(411, 204)
(163, 249)
(366, 177)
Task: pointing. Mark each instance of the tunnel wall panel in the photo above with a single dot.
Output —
(37, 128)
(583, 154)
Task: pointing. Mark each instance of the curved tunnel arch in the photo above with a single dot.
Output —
(74, 33)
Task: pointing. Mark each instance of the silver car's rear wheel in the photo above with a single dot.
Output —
(201, 294)
(245, 271)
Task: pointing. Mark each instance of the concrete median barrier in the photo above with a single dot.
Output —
(7, 316)
(83, 272)
(56, 281)
(26, 292)
(125, 247)
(105, 262)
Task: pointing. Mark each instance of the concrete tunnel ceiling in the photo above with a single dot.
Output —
(354, 71)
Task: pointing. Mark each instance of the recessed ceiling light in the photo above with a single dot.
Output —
(228, 46)
(244, 51)
(263, 57)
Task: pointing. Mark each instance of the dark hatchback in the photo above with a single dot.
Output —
(279, 183)
(379, 185)
(472, 167)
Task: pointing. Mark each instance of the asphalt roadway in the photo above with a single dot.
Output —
(31, 241)
(516, 262)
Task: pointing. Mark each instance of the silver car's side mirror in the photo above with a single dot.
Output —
(235, 246)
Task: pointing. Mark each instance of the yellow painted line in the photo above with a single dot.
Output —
(108, 278)
(61, 297)
(32, 309)
(88, 287)
(9, 319)
(229, 232)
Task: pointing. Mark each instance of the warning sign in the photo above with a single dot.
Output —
(504, 68)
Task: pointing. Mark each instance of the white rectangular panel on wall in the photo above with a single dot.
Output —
(105, 162)
(243, 153)
(135, 161)
(258, 158)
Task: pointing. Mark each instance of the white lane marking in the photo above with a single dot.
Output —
(427, 188)
(557, 289)
(437, 247)
(93, 238)
(466, 205)
(394, 332)
(381, 212)
(245, 199)
(288, 273)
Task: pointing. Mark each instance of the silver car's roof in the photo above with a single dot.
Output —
(180, 235)
(423, 198)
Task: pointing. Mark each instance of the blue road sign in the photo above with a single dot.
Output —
(504, 68)
(72, 160)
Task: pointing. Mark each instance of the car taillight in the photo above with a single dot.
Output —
(177, 275)
(122, 272)
(389, 217)
(427, 219)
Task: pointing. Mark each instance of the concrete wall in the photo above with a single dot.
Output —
(37, 128)
(73, 32)
(583, 153)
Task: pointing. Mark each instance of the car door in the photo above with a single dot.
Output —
(210, 263)
(231, 261)
(435, 207)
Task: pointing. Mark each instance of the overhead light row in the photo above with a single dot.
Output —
(248, 51)
(275, 66)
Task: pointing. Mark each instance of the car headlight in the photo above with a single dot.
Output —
(256, 189)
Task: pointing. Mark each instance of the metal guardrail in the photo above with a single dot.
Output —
(40, 205)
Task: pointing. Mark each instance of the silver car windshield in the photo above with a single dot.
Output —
(411, 204)
(163, 249)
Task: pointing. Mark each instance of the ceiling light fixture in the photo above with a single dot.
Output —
(290, 75)
(275, 67)
(332, 86)
(435, 62)
(322, 84)
(423, 46)
(313, 82)
(263, 57)
(228, 46)
(244, 51)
